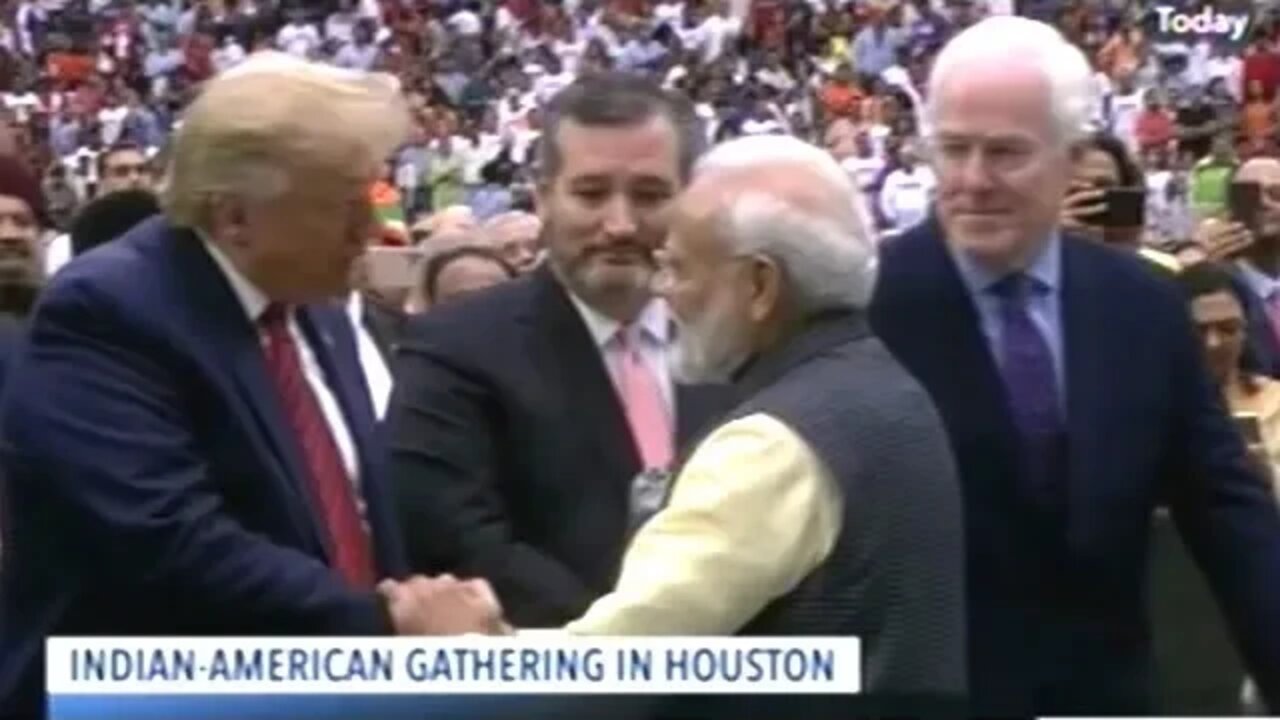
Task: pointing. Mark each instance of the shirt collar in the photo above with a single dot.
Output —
(654, 321)
(252, 300)
(1045, 269)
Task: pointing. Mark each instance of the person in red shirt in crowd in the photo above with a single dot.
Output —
(1153, 128)
(197, 52)
(1261, 65)
(769, 23)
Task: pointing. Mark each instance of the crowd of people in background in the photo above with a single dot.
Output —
(81, 78)
(92, 91)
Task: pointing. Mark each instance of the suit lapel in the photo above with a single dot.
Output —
(946, 317)
(221, 326)
(565, 351)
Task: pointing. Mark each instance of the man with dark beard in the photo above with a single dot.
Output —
(524, 414)
(22, 218)
(22, 221)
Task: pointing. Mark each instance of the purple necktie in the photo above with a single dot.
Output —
(1025, 360)
(1026, 365)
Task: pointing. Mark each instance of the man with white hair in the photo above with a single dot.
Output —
(827, 502)
(189, 448)
(1074, 392)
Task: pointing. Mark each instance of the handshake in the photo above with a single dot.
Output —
(443, 605)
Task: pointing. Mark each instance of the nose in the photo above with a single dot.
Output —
(620, 219)
(1213, 340)
(974, 173)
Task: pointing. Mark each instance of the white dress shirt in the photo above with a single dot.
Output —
(255, 303)
(376, 373)
(655, 324)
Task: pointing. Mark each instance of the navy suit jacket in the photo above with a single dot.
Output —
(510, 451)
(1060, 624)
(154, 486)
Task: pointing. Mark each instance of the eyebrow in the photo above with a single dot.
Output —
(947, 136)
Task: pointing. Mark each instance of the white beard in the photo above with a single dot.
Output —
(708, 349)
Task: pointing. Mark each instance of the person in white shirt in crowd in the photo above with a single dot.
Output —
(341, 24)
(298, 37)
(907, 192)
(360, 53)
(466, 21)
(865, 165)
(1225, 64)
(228, 54)
(1126, 102)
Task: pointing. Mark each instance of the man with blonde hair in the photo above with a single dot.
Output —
(189, 447)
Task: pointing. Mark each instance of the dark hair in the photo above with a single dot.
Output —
(115, 149)
(1206, 279)
(617, 100)
(437, 264)
(110, 216)
(1128, 170)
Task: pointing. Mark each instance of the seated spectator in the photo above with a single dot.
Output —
(516, 236)
(22, 223)
(110, 216)
(462, 270)
(907, 192)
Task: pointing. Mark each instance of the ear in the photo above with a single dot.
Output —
(228, 221)
(542, 199)
(766, 288)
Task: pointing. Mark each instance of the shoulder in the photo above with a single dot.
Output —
(913, 242)
(482, 319)
(129, 272)
(1137, 277)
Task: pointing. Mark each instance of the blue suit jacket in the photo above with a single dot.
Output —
(154, 485)
(1059, 624)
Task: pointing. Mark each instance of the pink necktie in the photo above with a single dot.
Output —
(642, 399)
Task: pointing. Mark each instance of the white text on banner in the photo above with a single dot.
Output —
(544, 664)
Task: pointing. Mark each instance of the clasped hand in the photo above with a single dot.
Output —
(443, 605)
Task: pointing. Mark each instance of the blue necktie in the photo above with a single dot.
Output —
(1026, 365)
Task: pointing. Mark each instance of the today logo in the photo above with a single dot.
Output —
(1230, 26)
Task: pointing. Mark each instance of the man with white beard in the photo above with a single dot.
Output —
(827, 502)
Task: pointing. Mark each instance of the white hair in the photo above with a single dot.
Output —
(1015, 40)
(829, 257)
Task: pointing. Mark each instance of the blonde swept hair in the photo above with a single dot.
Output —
(275, 119)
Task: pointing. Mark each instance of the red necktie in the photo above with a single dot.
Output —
(330, 485)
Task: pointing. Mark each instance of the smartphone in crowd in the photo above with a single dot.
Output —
(1123, 208)
(1126, 208)
(1244, 200)
(392, 268)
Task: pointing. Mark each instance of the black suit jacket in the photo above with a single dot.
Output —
(510, 452)
(385, 325)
